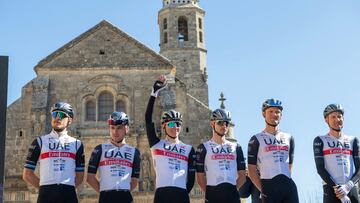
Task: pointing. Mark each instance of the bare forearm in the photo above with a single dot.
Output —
(30, 177)
(133, 183)
(241, 178)
(93, 182)
(79, 178)
(201, 179)
(254, 176)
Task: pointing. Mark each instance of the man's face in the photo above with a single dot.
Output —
(173, 128)
(59, 121)
(118, 132)
(272, 115)
(221, 127)
(335, 120)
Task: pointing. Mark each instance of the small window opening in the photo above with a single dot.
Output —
(165, 23)
(182, 29)
(165, 38)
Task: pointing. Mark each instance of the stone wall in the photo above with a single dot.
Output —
(106, 59)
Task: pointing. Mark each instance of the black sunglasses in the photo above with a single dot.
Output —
(221, 123)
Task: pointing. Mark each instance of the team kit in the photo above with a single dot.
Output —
(217, 165)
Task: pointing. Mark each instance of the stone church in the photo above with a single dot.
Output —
(103, 70)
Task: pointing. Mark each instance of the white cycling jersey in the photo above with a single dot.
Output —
(271, 153)
(171, 163)
(115, 167)
(220, 163)
(58, 158)
(338, 157)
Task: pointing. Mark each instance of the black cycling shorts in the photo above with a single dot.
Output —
(330, 197)
(247, 189)
(224, 192)
(279, 189)
(113, 196)
(171, 195)
(57, 194)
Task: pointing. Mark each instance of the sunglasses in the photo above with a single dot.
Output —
(172, 124)
(59, 114)
(118, 122)
(221, 123)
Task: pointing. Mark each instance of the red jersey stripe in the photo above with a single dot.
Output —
(170, 154)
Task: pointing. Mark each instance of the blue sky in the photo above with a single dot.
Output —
(304, 52)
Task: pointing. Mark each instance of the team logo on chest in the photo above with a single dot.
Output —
(117, 154)
(337, 147)
(273, 144)
(172, 151)
(57, 145)
(174, 148)
(333, 144)
(117, 157)
(222, 152)
(58, 149)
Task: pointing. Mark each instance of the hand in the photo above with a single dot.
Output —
(343, 190)
(345, 199)
(262, 196)
(159, 84)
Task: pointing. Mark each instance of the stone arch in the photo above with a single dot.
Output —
(105, 105)
(122, 103)
(183, 29)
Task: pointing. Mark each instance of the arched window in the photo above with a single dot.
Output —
(165, 23)
(200, 23)
(120, 106)
(165, 38)
(183, 29)
(105, 105)
(90, 114)
(200, 37)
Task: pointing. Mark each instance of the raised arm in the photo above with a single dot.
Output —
(150, 127)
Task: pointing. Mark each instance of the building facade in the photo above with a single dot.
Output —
(103, 70)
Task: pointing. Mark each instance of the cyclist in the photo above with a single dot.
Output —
(174, 161)
(61, 160)
(271, 153)
(117, 162)
(337, 159)
(220, 164)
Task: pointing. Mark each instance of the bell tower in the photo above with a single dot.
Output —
(182, 41)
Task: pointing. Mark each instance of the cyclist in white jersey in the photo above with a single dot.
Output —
(174, 161)
(117, 163)
(220, 164)
(270, 158)
(61, 160)
(337, 159)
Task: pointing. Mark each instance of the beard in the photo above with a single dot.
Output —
(274, 124)
(59, 129)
